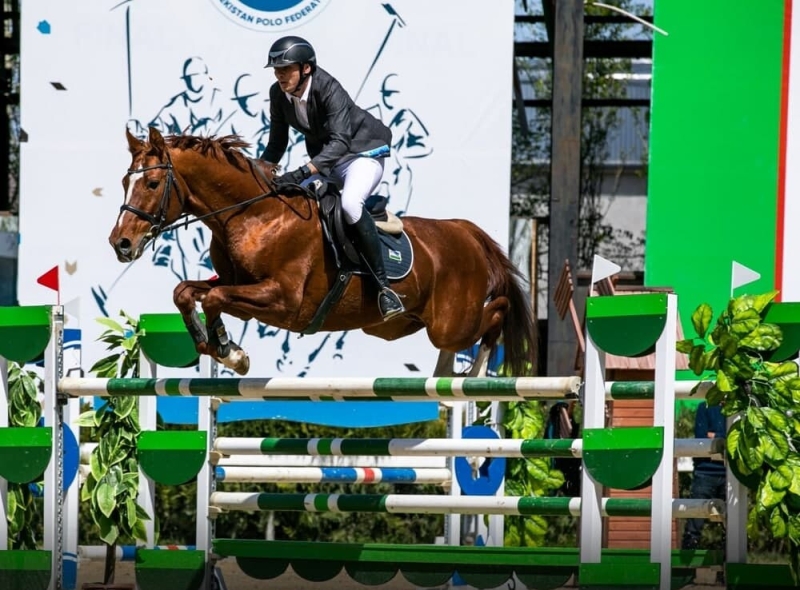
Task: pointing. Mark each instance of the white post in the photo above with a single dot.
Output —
(147, 421)
(53, 418)
(495, 535)
(453, 521)
(664, 415)
(594, 416)
(206, 421)
(735, 513)
(72, 500)
(4, 395)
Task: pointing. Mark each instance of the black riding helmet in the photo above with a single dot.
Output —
(291, 50)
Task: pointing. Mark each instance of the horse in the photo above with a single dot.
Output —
(273, 264)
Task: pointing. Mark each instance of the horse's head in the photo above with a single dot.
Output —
(153, 199)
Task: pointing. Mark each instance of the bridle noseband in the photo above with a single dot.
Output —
(158, 219)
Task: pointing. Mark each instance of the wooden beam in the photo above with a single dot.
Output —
(589, 19)
(565, 171)
(620, 102)
(591, 49)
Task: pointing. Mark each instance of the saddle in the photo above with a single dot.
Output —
(337, 231)
(398, 254)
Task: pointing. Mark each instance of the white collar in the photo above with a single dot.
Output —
(304, 98)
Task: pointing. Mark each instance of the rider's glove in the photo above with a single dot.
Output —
(293, 177)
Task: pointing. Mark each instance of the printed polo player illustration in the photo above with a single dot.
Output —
(201, 108)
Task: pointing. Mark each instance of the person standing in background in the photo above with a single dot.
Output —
(709, 480)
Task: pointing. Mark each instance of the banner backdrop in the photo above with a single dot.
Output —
(438, 73)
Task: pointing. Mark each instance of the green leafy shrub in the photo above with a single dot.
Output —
(762, 444)
(112, 486)
(24, 509)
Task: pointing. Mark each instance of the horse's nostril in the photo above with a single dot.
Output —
(124, 246)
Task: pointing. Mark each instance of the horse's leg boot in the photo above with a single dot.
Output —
(369, 244)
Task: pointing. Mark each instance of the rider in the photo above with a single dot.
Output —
(345, 143)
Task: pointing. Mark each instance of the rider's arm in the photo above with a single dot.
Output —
(336, 104)
(278, 127)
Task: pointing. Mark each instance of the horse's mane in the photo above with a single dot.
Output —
(227, 147)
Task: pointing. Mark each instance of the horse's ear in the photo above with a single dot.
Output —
(157, 141)
(135, 145)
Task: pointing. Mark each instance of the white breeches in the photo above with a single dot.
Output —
(357, 179)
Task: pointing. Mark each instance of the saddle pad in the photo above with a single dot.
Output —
(398, 255)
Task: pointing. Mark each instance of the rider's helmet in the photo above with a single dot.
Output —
(291, 50)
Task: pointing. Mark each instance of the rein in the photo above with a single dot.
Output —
(157, 220)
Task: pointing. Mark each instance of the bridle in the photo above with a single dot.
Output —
(158, 219)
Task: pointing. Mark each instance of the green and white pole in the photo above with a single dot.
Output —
(348, 389)
(441, 504)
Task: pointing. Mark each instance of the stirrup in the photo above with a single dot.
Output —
(389, 304)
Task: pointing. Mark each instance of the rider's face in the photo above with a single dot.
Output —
(289, 77)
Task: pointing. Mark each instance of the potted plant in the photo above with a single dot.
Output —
(112, 484)
(762, 444)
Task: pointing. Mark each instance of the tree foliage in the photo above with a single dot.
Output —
(532, 143)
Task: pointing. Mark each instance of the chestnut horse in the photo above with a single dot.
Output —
(273, 264)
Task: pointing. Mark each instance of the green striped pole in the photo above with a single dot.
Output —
(435, 504)
(411, 447)
(628, 390)
(431, 447)
(396, 389)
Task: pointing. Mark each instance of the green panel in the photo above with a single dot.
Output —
(24, 453)
(752, 576)
(24, 332)
(262, 568)
(542, 568)
(25, 570)
(427, 575)
(623, 458)
(176, 570)
(552, 581)
(787, 316)
(315, 570)
(166, 341)
(713, 173)
(626, 326)
(681, 577)
(478, 577)
(172, 457)
(639, 576)
(371, 574)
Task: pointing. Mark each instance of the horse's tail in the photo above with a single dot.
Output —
(519, 327)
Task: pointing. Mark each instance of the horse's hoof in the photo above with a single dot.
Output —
(237, 361)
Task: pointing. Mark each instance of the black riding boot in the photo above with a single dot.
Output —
(369, 244)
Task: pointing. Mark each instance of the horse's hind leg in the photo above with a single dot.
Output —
(481, 363)
(444, 364)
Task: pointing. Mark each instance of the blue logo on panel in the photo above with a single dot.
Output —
(270, 16)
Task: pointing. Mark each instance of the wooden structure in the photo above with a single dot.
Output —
(620, 532)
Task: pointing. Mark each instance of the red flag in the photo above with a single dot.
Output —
(49, 279)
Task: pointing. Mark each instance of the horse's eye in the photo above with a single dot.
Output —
(153, 185)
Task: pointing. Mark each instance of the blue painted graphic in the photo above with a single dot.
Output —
(271, 5)
(486, 479)
(43, 27)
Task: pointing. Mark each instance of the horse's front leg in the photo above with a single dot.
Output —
(244, 301)
(185, 296)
